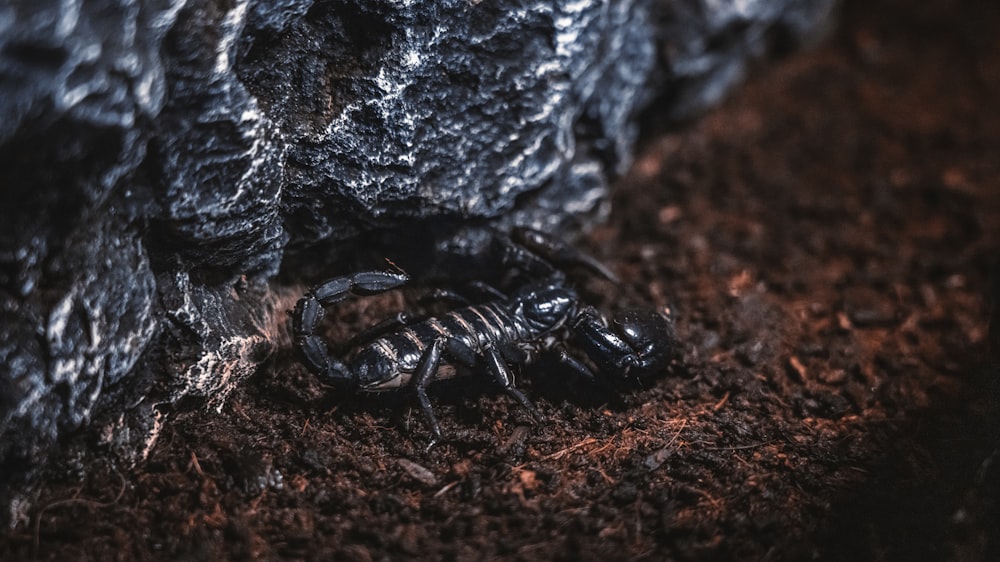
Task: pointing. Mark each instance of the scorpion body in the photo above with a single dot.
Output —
(538, 318)
(503, 326)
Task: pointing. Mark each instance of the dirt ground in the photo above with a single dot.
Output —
(825, 241)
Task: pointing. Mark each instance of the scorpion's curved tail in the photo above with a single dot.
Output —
(309, 313)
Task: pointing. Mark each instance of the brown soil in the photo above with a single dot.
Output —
(824, 240)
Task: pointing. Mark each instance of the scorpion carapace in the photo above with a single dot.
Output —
(539, 316)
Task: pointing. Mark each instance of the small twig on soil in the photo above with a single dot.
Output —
(722, 402)
(603, 448)
(607, 479)
(561, 453)
(240, 411)
(677, 433)
(444, 489)
(256, 502)
(70, 501)
(716, 503)
(657, 459)
(196, 465)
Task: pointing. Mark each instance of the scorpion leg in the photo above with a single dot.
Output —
(439, 294)
(486, 292)
(556, 251)
(400, 320)
(472, 292)
(511, 353)
(464, 355)
(424, 375)
(497, 367)
(573, 363)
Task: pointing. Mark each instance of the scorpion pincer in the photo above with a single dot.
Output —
(538, 318)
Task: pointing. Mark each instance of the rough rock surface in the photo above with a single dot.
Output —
(163, 157)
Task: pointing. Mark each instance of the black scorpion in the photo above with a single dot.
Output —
(540, 316)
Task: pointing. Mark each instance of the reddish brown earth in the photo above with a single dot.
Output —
(825, 241)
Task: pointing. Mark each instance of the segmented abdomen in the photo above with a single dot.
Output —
(476, 326)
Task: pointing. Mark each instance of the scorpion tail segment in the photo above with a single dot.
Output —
(559, 252)
(363, 284)
(307, 316)
(317, 357)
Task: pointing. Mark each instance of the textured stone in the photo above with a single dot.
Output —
(449, 109)
(705, 46)
(163, 158)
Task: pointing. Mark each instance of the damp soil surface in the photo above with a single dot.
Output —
(824, 240)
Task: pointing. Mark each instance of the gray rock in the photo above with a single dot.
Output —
(163, 158)
(705, 47)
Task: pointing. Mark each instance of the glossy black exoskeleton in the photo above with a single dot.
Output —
(543, 315)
